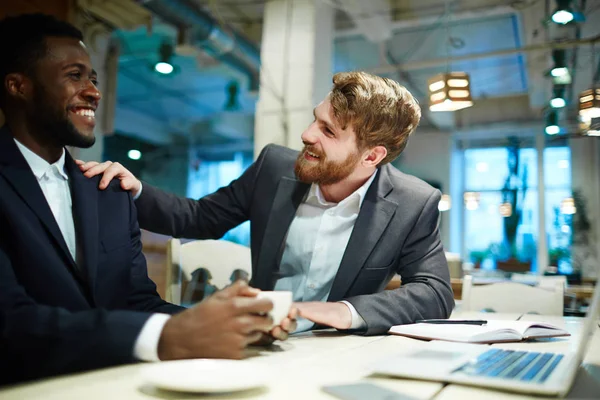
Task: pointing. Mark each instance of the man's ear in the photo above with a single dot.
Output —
(17, 85)
(374, 156)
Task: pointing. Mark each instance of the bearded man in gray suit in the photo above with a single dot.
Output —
(334, 222)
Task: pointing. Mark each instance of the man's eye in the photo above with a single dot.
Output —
(95, 82)
(75, 75)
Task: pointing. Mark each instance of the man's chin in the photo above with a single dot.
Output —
(82, 140)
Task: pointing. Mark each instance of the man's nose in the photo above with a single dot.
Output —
(91, 93)
(309, 135)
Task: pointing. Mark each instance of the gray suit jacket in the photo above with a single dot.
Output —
(396, 232)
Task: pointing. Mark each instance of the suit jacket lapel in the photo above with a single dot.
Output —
(19, 175)
(375, 215)
(84, 195)
(288, 197)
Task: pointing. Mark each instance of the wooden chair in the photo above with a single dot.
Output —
(513, 297)
(212, 263)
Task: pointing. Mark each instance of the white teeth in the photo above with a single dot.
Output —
(86, 113)
(312, 154)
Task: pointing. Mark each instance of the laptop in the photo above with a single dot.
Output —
(532, 372)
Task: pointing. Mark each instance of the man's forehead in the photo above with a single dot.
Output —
(61, 48)
(324, 112)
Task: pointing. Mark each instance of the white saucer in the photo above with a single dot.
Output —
(206, 375)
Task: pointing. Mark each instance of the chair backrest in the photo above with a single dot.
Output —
(220, 258)
(513, 297)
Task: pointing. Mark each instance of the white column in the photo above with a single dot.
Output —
(542, 248)
(296, 69)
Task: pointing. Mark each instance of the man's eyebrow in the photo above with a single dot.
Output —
(80, 66)
(329, 126)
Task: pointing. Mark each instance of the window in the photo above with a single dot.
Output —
(206, 177)
(557, 166)
(501, 207)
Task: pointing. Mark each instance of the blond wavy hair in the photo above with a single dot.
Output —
(381, 111)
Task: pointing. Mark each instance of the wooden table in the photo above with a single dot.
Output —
(301, 366)
(580, 292)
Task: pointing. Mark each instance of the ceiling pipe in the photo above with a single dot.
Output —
(205, 32)
(443, 61)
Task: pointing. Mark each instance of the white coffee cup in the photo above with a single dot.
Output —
(282, 302)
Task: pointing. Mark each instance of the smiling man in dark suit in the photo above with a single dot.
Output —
(74, 288)
(332, 223)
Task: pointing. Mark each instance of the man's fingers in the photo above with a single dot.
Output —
(96, 169)
(128, 184)
(251, 323)
(289, 325)
(293, 314)
(87, 165)
(79, 162)
(250, 305)
(256, 337)
(279, 333)
(114, 170)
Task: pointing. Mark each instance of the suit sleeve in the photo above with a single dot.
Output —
(39, 340)
(144, 296)
(425, 292)
(207, 218)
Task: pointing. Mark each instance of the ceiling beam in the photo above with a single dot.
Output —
(413, 65)
(478, 13)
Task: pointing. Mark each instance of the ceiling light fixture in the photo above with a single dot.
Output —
(563, 14)
(589, 104)
(164, 66)
(558, 101)
(505, 209)
(560, 72)
(471, 200)
(134, 154)
(449, 91)
(552, 127)
(567, 206)
(445, 203)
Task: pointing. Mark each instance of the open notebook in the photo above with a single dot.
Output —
(492, 332)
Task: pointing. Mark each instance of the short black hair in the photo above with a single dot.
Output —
(22, 42)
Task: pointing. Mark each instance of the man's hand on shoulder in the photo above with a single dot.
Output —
(110, 171)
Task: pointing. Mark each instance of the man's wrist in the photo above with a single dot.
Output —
(357, 322)
(139, 192)
(146, 344)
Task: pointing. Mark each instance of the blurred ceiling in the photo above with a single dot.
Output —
(155, 107)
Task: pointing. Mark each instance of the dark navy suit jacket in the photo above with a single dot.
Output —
(56, 316)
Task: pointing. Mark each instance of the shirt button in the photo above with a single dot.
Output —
(312, 286)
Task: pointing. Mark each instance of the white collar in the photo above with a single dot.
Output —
(38, 165)
(360, 193)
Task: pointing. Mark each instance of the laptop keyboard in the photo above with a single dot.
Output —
(524, 366)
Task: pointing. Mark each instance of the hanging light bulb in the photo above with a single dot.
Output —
(589, 104)
(505, 210)
(445, 203)
(567, 206)
(449, 91)
(552, 127)
(563, 14)
(558, 100)
(164, 66)
(471, 200)
(560, 72)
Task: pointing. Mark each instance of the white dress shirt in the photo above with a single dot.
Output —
(315, 245)
(54, 182)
